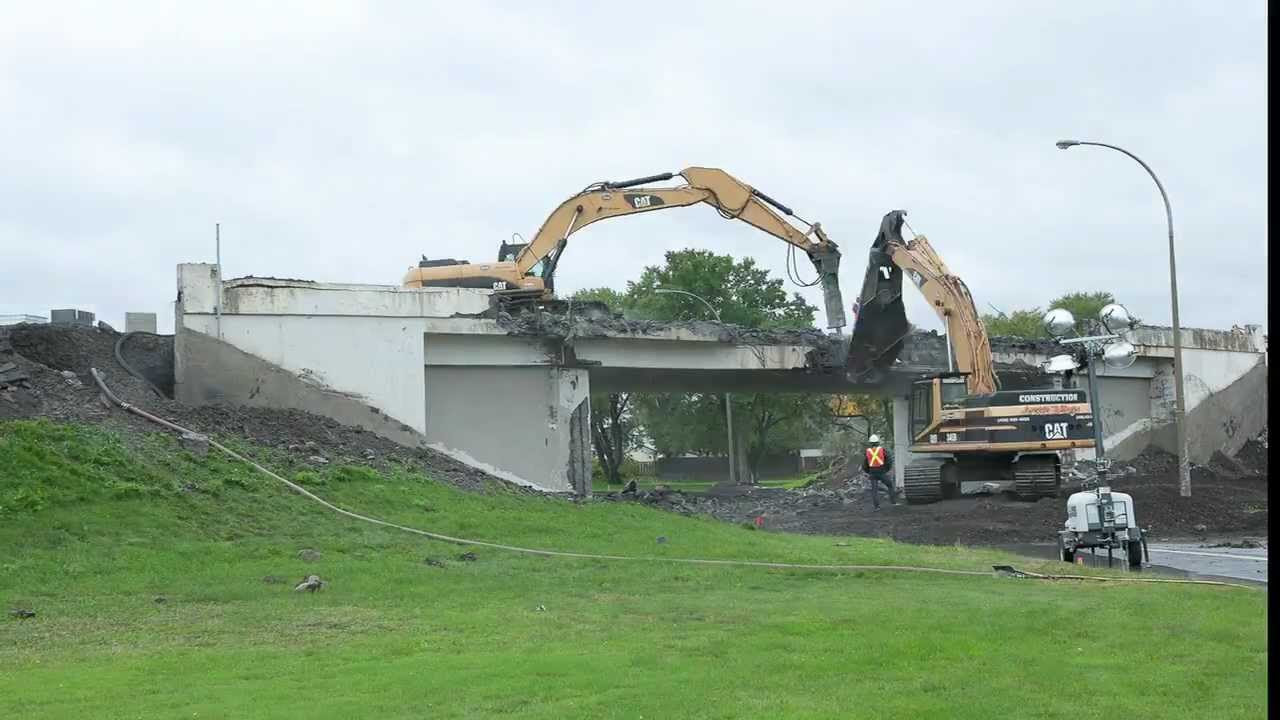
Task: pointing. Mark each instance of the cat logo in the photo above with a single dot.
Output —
(641, 201)
(1055, 431)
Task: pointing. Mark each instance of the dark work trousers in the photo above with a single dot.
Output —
(876, 479)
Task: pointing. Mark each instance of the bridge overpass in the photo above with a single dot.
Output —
(433, 367)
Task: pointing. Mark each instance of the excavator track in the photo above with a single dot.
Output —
(1036, 476)
(922, 481)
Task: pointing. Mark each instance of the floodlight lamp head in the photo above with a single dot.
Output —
(1115, 318)
(1060, 364)
(1058, 322)
(1120, 354)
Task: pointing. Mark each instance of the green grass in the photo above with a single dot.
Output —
(95, 527)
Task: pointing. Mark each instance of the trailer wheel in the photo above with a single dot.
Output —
(1135, 554)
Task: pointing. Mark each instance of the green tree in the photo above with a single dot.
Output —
(1085, 306)
(743, 294)
(607, 296)
(1029, 324)
(613, 423)
(1019, 324)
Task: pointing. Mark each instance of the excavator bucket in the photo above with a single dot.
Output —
(880, 324)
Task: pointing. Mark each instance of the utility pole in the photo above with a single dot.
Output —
(217, 255)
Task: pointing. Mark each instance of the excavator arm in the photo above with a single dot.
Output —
(881, 325)
(730, 197)
(519, 264)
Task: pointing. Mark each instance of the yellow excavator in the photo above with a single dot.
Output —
(963, 428)
(526, 271)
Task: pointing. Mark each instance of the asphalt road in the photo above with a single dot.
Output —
(1185, 559)
(1195, 559)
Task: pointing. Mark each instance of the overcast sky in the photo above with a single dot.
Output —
(340, 142)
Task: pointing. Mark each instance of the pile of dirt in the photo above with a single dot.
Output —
(55, 361)
(1222, 504)
(1254, 453)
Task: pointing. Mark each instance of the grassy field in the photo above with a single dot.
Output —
(148, 569)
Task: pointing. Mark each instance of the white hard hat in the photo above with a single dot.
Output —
(874, 438)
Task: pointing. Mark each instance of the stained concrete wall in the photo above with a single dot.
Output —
(139, 322)
(523, 423)
(211, 372)
(366, 358)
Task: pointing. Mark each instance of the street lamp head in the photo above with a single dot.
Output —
(1064, 144)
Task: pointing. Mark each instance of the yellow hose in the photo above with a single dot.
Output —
(592, 556)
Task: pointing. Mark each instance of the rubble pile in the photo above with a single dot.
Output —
(55, 384)
(591, 320)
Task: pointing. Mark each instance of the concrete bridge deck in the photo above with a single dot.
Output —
(433, 367)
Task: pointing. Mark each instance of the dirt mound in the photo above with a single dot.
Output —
(1223, 503)
(1253, 454)
(53, 362)
(79, 347)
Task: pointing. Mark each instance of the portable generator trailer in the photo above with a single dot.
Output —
(1100, 518)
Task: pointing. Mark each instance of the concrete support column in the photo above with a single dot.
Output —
(901, 439)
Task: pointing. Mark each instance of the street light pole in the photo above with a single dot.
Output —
(728, 398)
(1184, 461)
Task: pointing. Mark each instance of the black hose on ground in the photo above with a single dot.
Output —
(129, 368)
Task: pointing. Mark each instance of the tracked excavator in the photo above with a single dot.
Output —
(524, 273)
(963, 427)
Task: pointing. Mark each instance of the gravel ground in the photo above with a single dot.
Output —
(1229, 499)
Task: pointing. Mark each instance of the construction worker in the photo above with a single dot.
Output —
(877, 463)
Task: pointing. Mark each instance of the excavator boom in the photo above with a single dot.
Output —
(531, 267)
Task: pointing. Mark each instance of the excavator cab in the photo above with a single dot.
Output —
(507, 252)
(930, 396)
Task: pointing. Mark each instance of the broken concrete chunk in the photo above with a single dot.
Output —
(195, 443)
(318, 460)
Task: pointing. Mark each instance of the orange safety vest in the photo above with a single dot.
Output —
(875, 457)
